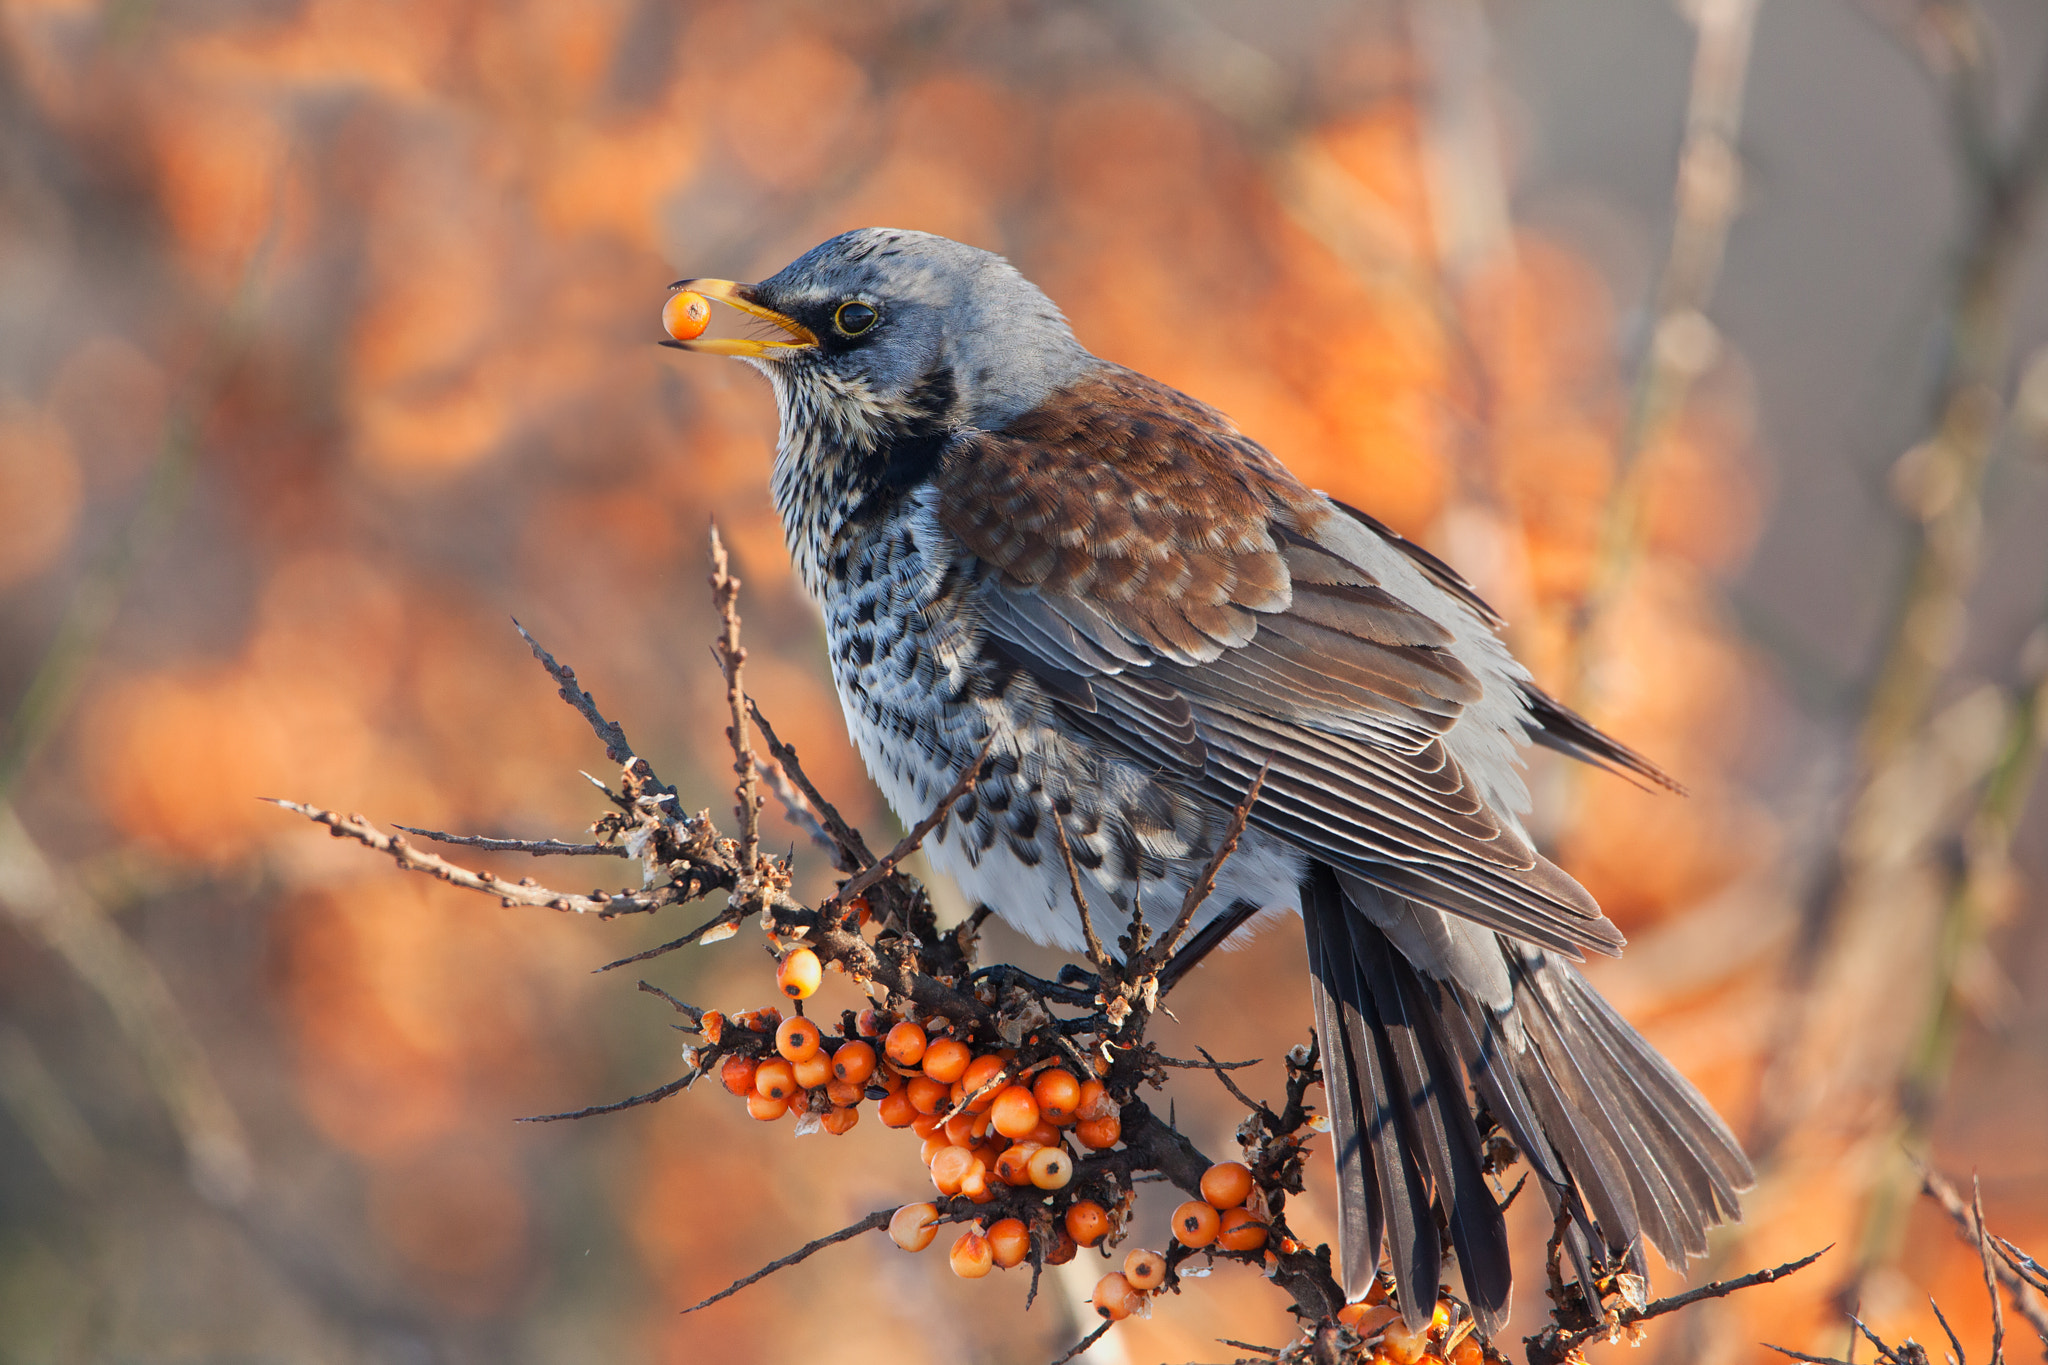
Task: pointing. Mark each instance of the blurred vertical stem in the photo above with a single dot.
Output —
(1940, 484)
(1978, 895)
(97, 600)
(40, 897)
(1679, 342)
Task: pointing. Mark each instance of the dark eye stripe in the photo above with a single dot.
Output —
(854, 317)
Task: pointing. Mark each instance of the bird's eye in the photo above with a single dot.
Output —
(854, 317)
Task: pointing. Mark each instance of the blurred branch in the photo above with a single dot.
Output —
(1679, 342)
(1940, 485)
(48, 906)
(1969, 1221)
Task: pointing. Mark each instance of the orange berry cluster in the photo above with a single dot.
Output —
(988, 1119)
(1219, 1219)
(1376, 1320)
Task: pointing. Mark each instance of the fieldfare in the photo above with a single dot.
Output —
(1013, 540)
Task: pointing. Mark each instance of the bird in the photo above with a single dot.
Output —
(1134, 610)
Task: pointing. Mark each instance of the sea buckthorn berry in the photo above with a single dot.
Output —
(1195, 1223)
(1099, 1133)
(1115, 1297)
(837, 1120)
(1013, 1167)
(931, 1147)
(928, 1125)
(928, 1095)
(1058, 1095)
(1045, 1135)
(798, 1038)
(1059, 1245)
(854, 1062)
(737, 1075)
(1240, 1230)
(914, 1226)
(868, 1023)
(1467, 1352)
(979, 1073)
(799, 974)
(1014, 1113)
(1095, 1102)
(843, 1095)
(1009, 1242)
(1087, 1222)
(765, 1108)
(813, 1071)
(1051, 1168)
(975, 1184)
(1363, 1317)
(945, 1060)
(712, 1026)
(775, 1079)
(1227, 1184)
(959, 1129)
(685, 315)
(971, 1256)
(1402, 1346)
(1146, 1270)
(949, 1167)
(905, 1044)
(895, 1110)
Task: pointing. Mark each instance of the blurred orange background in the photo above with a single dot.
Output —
(328, 347)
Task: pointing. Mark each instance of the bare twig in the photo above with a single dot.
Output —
(706, 932)
(687, 1010)
(732, 658)
(910, 842)
(525, 891)
(680, 1083)
(1200, 889)
(537, 847)
(2025, 1300)
(1096, 955)
(851, 847)
(1080, 1347)
(608, 732)
(1553, 1345)
(878, 1219)
(1990, 1276)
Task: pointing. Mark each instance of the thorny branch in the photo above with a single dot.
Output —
(2016, 1271)
(880, 931)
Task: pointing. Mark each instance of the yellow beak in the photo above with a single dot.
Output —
(742, 297)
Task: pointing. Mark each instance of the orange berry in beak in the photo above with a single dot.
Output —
(685, 315)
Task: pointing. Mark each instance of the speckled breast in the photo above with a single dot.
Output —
(922, 695)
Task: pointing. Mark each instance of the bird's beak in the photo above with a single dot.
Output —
(746, 300)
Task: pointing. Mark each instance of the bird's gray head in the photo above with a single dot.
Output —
(881, 325)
